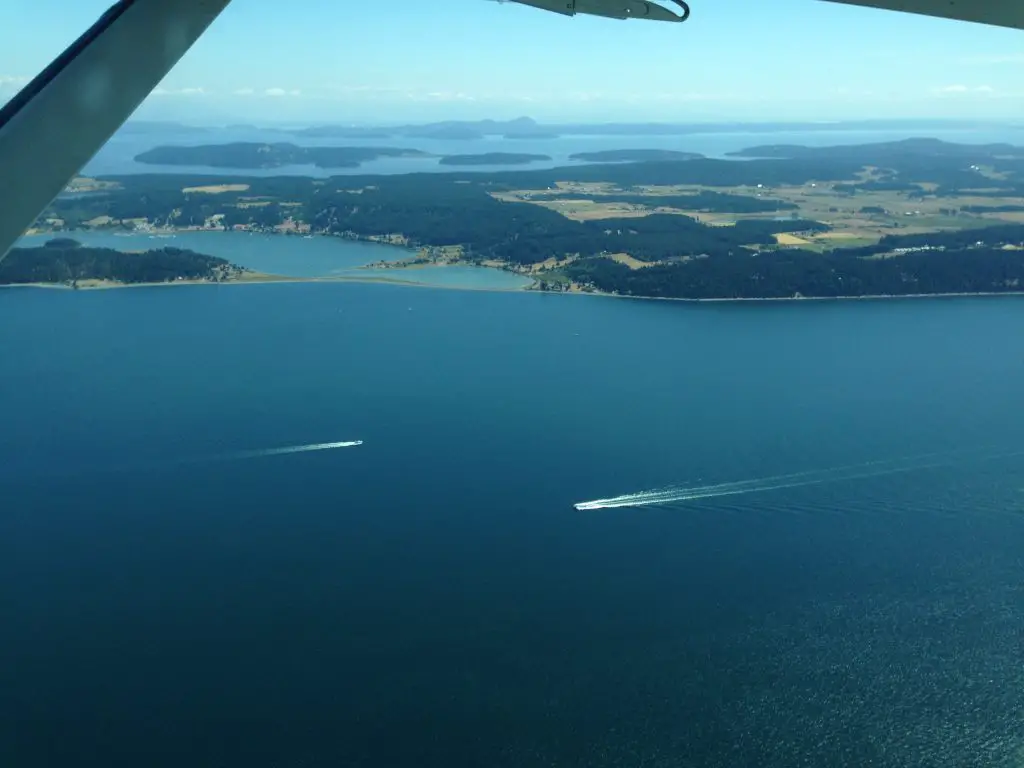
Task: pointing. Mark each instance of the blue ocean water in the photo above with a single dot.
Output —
(433, 598)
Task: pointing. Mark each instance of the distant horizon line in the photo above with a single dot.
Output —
(524, 120)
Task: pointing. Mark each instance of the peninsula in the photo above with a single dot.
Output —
(64, 261)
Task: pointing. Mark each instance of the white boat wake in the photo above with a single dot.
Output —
(308, 448)
(185, 461)
(779, 482)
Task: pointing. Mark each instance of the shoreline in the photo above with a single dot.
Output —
(795, 299)
(398, 242)
(267, 279)
(260, 278)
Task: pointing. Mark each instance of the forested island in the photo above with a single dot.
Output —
(257, 155)
(904, 218)
(64, 261)
(633, 155)
(493, 158)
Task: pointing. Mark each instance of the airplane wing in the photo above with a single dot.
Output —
(613, 9)
(1004, 13)
(54, 126)
(1000, 13)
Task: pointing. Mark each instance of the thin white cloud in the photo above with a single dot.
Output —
(444, 96)
(273, 93)
(277, 93)
(194, 91)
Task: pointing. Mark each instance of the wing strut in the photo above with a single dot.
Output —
(1000, 13)
(55, 125)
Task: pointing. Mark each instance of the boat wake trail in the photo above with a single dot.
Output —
(796, 480)
(265, 452)
(157, 465)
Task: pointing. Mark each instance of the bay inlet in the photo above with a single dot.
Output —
(292, 256)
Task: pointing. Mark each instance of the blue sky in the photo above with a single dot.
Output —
(376, 61)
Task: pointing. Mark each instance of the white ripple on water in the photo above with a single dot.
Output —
(861, 471)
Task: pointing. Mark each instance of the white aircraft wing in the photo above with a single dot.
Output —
(614, 9)
(54, 126)
(1000, 13)
(1004, 13)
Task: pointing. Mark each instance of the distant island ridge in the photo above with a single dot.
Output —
(528, 128)
(883, 152)
(911, 217)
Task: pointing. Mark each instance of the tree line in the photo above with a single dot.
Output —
(66, 261)
(791, 273)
